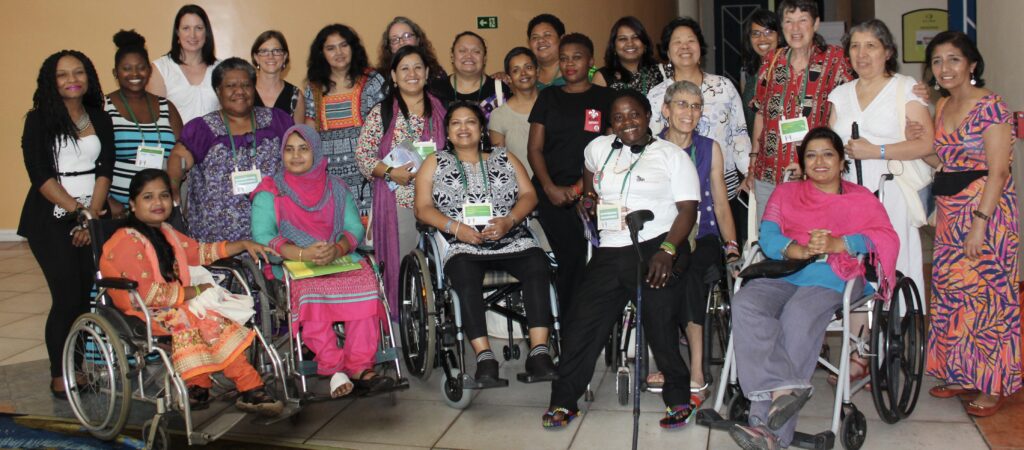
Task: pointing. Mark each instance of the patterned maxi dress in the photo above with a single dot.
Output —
(975, 318)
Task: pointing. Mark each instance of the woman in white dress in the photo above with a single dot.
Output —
(183, 74)
(875, 102)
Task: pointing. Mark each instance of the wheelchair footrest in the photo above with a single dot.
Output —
(821, 441)
(469, 382)
(308, 368)
(387, 355)
(217, 427)
(710, 418)
(291, 408)
(526, 377)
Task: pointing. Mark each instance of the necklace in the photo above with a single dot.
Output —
(83, 122)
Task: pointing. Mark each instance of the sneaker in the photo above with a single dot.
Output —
(754, 438)
(260, 402)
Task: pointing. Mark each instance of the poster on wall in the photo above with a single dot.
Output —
(919, 27)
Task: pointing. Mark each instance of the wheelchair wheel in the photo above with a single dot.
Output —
(622, 385)
(416, 314)
(161, 440)
(96, 370)
(716, 329)
(898, 360)
(739, 408)
(854, 428)
(454, 394)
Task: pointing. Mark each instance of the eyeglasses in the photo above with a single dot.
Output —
(402, 38)
(687, 105)
(264, 52)
(759, 34)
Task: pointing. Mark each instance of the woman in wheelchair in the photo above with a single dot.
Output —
(467, 175)
(305, 214)
(779, 323)
(150, 252)
(630, 170)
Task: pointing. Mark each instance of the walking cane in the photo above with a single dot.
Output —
(635, 221)
(855, 134)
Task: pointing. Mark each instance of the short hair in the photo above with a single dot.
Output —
(633, 94)
(827, 134)
(549, 19)
(318, 70)
(808, 6)
(469, 33)
(683, 87)
(516, 52)
(485, 139)
(966, 46)
(129, 42)
(611, 57)
(578, 39)
(208, 46)
(880, 31)
(233, 63)
(263, 38)
(666, 36)
(768, 20)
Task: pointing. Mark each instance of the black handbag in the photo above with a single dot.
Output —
(773, 268)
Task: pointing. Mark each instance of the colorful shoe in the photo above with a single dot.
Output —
(676, 416)
(550, 419)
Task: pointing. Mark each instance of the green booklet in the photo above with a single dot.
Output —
(304, 269)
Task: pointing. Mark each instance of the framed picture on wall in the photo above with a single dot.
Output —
(919, 27)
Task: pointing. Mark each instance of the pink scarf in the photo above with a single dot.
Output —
(799, 207)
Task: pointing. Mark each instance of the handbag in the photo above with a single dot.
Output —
(911, 176)
(774, 268)
(235, 307)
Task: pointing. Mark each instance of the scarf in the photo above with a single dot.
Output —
(799, 207)
(310, 207)
(385, 208)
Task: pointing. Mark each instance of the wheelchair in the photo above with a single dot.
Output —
(431, 318)
(120, 360)
(895, 349)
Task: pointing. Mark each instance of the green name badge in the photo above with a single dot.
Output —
(149, 157)
(425, 148)
(609, 216)
(793, 130)
(245, 181)
(477, 213)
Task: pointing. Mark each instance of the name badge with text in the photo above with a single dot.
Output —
(592, 120)
(609, 216)
(245, 181)
(477, 214)
(793, 130)
(149, 157)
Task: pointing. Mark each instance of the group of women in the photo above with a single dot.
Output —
(278, 170)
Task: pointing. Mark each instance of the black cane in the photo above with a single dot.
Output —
(635, 221)
(855, 134)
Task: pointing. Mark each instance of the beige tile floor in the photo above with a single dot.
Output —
(497, 419)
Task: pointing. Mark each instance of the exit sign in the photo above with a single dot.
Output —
(486, 22)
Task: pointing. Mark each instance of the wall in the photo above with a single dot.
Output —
(891, 12)
(33, 30)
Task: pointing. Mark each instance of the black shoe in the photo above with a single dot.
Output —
(59, 395)
(260, 402)
(541, 368)
(198, 398)
(371, 386)
(487, 373)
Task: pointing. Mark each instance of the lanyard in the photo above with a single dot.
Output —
(628, 172)
(231, 139)
(462, 173)
(803, 81)
(426, 122)
(693, 154)
(139, 125)
(479, 92)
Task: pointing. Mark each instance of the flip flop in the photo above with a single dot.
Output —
(948, 391)
(338, 381)
(548, 420)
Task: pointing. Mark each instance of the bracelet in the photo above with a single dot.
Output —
(457, 226)
(448, 226)
(731, 245)
(198, 291)
(980, 215)
(882, 151)
(300, 253)
(786, 248)
(668, 247)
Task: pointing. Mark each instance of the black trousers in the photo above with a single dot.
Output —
(69, 273)
(706, 254)
(610, 282)
(531, 268)
(564, 231)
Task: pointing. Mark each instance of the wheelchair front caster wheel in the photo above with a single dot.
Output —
(739, 409)
(854, 428)
(506, 353)
(622, 386)
(516, 353)
(452, 390)
(157, 439)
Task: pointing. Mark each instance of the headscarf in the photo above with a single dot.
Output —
(799, 207)
(310, 206)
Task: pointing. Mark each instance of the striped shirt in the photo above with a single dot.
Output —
(127, 139)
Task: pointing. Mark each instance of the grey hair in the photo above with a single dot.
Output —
(880, 31)
(232, 64)
(683, 86)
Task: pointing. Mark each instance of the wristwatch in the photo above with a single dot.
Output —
(387, 174)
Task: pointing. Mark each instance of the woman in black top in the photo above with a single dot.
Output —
(629, 58)
(469, 82)
(68, 146)
(563, 121)
(269, 56)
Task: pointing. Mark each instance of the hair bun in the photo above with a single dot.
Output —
(129, 39)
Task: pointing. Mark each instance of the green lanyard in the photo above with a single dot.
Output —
(803, 81)
(426, 122)
(231, 139)
(139, 125)
(693, 153)
(479, 92)
(465, 181)
(628, 172)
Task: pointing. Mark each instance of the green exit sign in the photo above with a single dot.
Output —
(486, 22)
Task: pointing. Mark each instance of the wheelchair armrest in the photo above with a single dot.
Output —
(227, 263)
(123, 284)
(424, 228)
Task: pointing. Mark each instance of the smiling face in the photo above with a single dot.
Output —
(950, 67)
(72, 81)
(868, 55)
(574, 60)
(629, 121)
(191, 33)
(410, 74)
(152, 205)
(464, 129)
(544, 42)
(799, 28)
(684, 48)
(337, 52)
(400, 35)
(822, 163)
(297, 156)
(236, 92)
(468, 56)
(628, 45)
(764, 40)
(270, 57)
(523, 73)
(132, 73)
(683, 111)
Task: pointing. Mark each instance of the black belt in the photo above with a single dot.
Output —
(76, 174)
(951, 183)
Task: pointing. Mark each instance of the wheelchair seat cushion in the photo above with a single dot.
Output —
(498, 278)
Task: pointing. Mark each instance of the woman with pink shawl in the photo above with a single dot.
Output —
(779, 323)
(305, 214)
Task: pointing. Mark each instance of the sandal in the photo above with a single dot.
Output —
(786, 406)
(198, 398)
(698, 394)
(676, 416)
(656, 380)
(260, 402)
(550, 419)
(376, 384)
(977, 410)
(833, 379)
(754, 438)
(949, 391)
(339, 382)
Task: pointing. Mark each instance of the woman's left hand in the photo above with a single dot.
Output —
(659, 269)
(257, 251)
(862, 149)
(822, 243)
(498, 227)
(80, 238)
(975, 242)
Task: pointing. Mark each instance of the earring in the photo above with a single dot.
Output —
(973, 81)
(257, 67)
(936, 86)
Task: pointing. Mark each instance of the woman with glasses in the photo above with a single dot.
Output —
(762, 35)
(400, 32)
(270, 57)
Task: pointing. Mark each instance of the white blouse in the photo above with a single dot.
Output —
(191, 100)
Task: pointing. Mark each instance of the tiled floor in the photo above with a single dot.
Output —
(497, 418)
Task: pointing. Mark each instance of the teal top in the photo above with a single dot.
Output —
(773, 242)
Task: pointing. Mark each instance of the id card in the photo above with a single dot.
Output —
(425, 148)
(592, 120)
(149, 157)
(477, 213)
(245, 181)
(609, 216)
(793, 130)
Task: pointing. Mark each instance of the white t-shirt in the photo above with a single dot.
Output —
(663, 176)
(191, 100)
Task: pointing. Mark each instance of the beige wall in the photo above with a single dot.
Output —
(35, 29)
(891, 12)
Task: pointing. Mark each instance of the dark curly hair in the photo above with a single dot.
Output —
(430, 56)
(56, 123)
(208, 50)
(633, 94)
(578, 39)
(767, 19)
(611, 58)
(678, 22)
(318, 70)
(129, 42)
(549, 19)
(485, 138)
